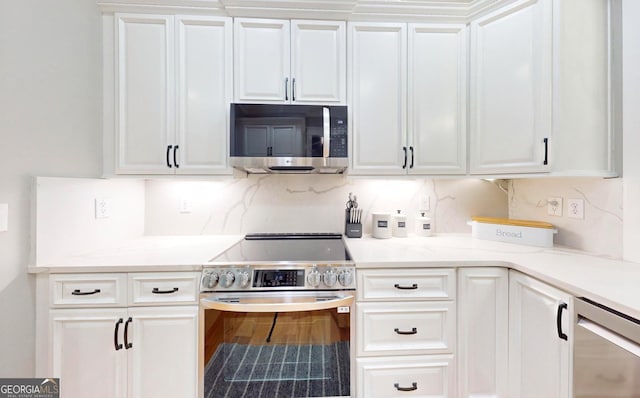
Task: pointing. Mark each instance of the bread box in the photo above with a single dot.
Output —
(524, 232)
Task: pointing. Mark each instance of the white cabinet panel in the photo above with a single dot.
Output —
(89, 290)
(437, 124)
(83, 355)
(511, 73)
(163, 288)
(483, 329)
(261, 60)
(145, 92)
(164, 353)
(539, 360)
(406, 284)
(378, 80)
(205, 71)
(318, 61)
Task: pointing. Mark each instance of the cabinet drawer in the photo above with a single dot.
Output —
(163, 288)
(95, 290)
(407, 284)
(430, 376)
(406, 328)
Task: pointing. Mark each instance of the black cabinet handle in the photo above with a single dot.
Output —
(158, 291)
(127, 345)
(293, 89)
(115, 335)
(414, 386)
(546, 151)
(412, 287)
(77, 292)
(169, 150)
(175, 155)
(561, 307)
(404, 165)
(286, 89)
(404, 332)
(411, 149)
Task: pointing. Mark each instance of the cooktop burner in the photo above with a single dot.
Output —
(290, 247)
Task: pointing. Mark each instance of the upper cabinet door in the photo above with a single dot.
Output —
(144, 93)
(437, 99)
(261, 57)
(511, 72)
(205, 89)
(318, 61)
(377, 97)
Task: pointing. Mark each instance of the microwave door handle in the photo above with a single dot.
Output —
(326, 132)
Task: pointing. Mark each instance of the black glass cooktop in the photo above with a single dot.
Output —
(298, 247)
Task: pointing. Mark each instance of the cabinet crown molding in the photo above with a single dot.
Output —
(362, 10)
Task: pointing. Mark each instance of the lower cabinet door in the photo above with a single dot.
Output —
(419, 376)
(83, 352)
(163, 356)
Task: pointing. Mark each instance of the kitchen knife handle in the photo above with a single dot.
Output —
(414, 386)
(168, 150)
(77, 292)
(561, 307)
(404, 165)
(115, 335)
(175, 155)
(411, 149)
(127, 345)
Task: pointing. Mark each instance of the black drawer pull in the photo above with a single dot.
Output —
(158, 291)
(127, 345)
(561, 307)
(115, 335)
(77, 292)
(414, 386)
(412, 287)
(412, 331)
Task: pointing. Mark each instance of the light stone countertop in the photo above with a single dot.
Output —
(613, 283)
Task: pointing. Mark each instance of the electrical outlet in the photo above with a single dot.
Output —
(102, 208)
(185, 206)
(554, 206)
(575, 208)
(425, 203)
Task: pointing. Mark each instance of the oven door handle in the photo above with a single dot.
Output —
(280, 303)
(614, 338)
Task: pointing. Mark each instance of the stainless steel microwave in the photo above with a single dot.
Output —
(268, 138)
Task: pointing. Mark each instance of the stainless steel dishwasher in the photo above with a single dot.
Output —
(606, 357)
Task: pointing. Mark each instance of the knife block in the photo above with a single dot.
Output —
(351, 230)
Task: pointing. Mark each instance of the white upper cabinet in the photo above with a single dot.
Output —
(408, 98)
(511, 74)
(290, 61)
(437, 124)
(173, 88)
(377, 97)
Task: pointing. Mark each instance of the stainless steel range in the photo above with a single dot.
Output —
(275, 318)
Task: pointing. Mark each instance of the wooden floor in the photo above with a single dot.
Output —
(315, 327)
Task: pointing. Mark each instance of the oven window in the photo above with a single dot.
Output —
(292, 354)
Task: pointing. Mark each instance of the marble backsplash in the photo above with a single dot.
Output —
(600, 232)
(311, 203)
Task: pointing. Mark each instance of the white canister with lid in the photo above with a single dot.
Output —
(381, 225)
(423, 225)
(399, 225)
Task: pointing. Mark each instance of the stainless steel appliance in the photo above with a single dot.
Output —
(606, 361)
(288, 138)
(275, 318)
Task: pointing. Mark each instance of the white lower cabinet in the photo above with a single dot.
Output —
(406, 335)
(122, 351)
(540, 339)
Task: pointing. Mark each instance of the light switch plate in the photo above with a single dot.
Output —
(4, 217)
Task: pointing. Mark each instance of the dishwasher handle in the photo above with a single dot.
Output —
(614, 338)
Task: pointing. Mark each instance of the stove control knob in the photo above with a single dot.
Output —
(227, 279)
(210, 280)
(243, 279)
(313, 278)
(330, 278)
(345, 277)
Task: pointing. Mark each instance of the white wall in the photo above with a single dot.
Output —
(50, 124)
(631, 127)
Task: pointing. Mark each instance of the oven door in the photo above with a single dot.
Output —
(293, 344)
